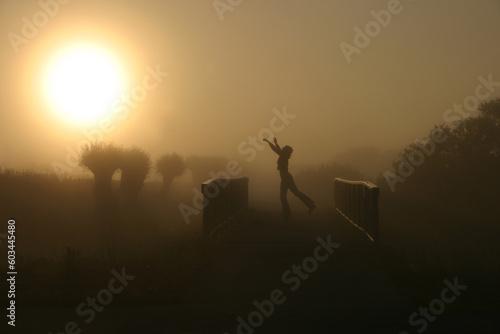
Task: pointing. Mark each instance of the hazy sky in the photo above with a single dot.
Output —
(226, 76)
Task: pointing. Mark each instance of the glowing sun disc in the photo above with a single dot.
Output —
(81, 83)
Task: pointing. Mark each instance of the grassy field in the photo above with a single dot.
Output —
(66, 247)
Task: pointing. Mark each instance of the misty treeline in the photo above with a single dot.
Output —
(104, 159)
(447, 205)
(443, 203)
(466, 162)
(459, 156)
(439, 200)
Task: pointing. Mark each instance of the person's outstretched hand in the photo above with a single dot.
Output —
(266, 140)
(275, 140)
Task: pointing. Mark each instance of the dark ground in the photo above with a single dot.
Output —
(358, 289)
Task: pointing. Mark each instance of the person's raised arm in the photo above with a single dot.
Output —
(276, 148)
(276, 144)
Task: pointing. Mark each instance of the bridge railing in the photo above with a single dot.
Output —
(357, 201)
(223, 201)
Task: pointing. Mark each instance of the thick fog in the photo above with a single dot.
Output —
(324, 77)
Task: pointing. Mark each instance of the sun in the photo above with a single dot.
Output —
(81, 82)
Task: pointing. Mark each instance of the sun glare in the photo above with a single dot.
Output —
(81, 83)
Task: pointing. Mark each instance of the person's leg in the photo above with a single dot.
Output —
(303, 197)
(284, 202)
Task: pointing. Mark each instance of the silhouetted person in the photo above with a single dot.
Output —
(287, 181)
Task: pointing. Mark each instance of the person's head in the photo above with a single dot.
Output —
(287, 151)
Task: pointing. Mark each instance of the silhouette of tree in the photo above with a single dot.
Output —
(467, 160)
(169, 166)
(135, 165)
(450, 202)
(472, 149)
(491, 111)
(102, 159)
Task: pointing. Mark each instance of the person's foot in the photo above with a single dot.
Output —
(312, 207)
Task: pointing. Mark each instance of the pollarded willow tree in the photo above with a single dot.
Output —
(135, 165)
(102, 159)
(169, 166)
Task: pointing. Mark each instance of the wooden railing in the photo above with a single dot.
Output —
(357, 202)
(224, 201)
